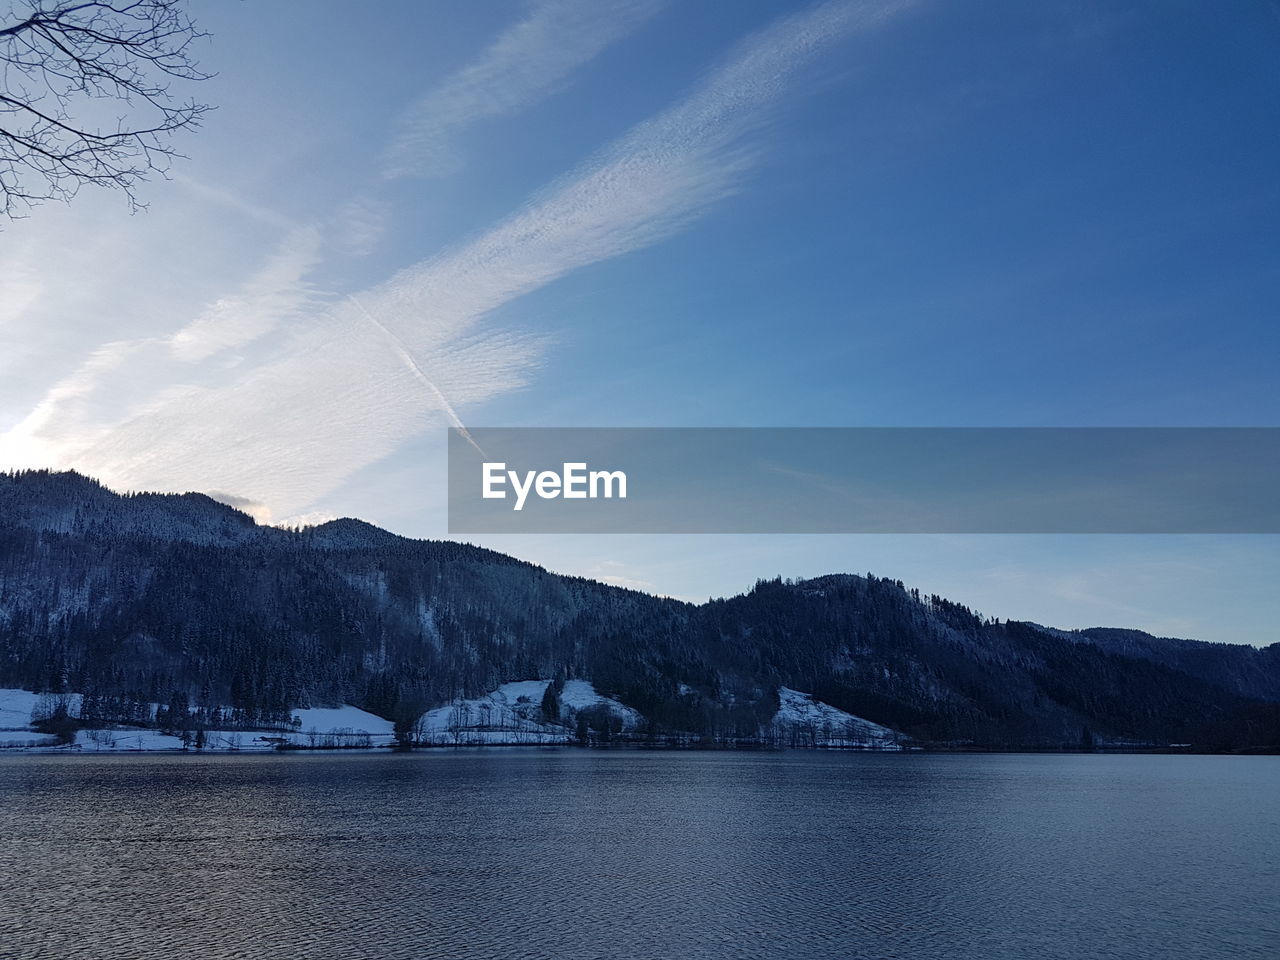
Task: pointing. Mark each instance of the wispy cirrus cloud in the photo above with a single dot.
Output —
(122, 377)
(232, 201)
(531, 60)
(316, 399)
(277, 291)
(646, 186)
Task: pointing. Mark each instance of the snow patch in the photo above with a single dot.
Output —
(342, 719)
(344, 726)
(512, 714)
(130, 740)
(803, 721)
(15, 709)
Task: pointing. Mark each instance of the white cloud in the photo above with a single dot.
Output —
(259, 511)
(313, 518)
(646, 186)
(629, 583)
(21, 288)
(123, 376)
(316, 399)
(232, 201)
(530, 61)
(360, 224)
(275, 293)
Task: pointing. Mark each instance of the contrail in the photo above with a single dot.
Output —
(403, 353)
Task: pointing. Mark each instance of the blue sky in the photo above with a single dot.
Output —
(682, 214)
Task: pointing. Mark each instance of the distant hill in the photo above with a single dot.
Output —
(180, 599)
(1245, 670)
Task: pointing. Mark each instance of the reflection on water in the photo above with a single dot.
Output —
(572, 854)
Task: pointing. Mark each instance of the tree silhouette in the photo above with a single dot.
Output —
(85, 96)
(550, 704)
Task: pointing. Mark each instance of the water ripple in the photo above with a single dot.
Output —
(574, 855)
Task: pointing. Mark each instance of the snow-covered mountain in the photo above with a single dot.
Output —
(183, 602)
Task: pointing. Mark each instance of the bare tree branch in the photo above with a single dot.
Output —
(66, 69)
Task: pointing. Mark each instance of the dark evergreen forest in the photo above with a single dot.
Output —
(181, 600)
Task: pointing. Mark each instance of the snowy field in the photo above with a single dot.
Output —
(320, 727)
(512, 714)
(802, 721)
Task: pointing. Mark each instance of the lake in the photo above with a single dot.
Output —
(567, 854)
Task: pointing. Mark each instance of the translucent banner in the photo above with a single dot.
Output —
(865, 480)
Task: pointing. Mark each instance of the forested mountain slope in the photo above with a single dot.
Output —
(1246, 670)
(148, 598)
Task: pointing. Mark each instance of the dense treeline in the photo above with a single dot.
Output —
(184, 602)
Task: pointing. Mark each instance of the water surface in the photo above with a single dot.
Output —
(571, 854)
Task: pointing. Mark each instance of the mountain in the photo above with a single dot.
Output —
(183, 601)
(1245, 670)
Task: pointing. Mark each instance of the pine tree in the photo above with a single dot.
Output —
(550, 704)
